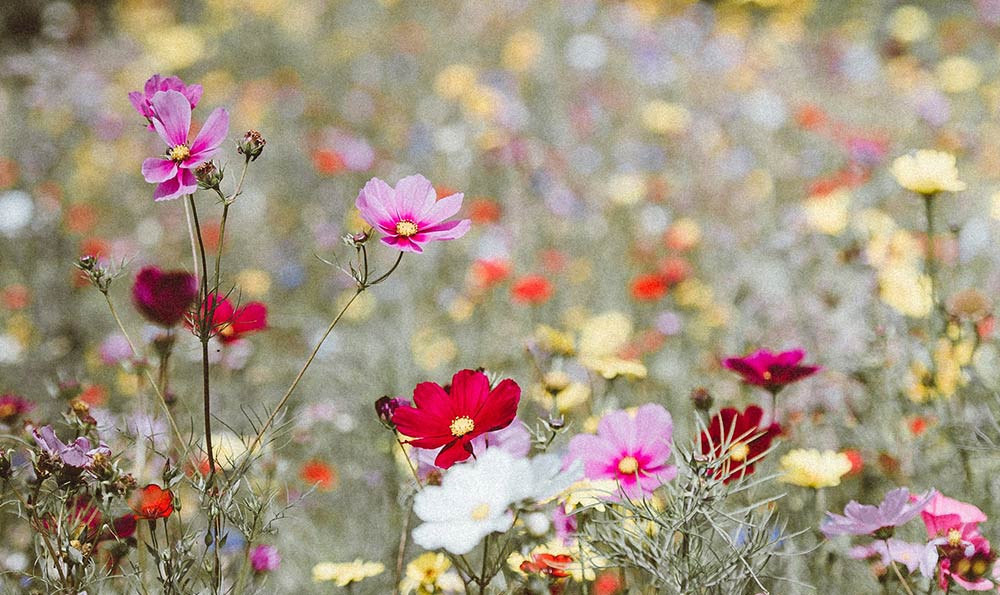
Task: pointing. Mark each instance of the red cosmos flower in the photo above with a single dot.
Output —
(164, 297)
(316, 472)
(547, 565)
(743, 437)
(649, 288)
(531, 289)
(771, 371)
(452, 419)
(152, 502)
(233, 323)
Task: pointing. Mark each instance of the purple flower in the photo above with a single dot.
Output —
(410, 215)
(265, 558)
(864, 519)
(142, 99)
(77, 454)
(164, 297)
(174, 174)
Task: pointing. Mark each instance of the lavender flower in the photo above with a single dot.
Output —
(878, 521)
(77, 454)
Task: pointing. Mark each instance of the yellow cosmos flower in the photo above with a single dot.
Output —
(927, 172)
(429, 573)
(346, 573)
(828, 213)
(811, 468)
(601, 338)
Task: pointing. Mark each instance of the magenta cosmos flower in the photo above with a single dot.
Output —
(633, 449)
(142, 100)
(174, 174)
(410, 215)
(164, 297)
(771, 371)
(896, 509)
(451, 419)
(265, 558)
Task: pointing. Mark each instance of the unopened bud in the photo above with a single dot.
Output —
(385, 408)
(252, 145)
(701, 399)
(355, 240)
(209, 176)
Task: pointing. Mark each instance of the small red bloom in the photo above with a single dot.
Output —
(857, 460)
(743, 437)
(649, 288)
(12, 406)
(164, 297)
(771, 371)
(233, 323)
(452, 419)
(316, 472)
(531, 289)
(152, 502)
(486, 273)
(547, 565)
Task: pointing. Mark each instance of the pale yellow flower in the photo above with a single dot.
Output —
(828, 213)
(429, 573)
(601, 338)
(346, 573)
(811, 468)
(927, 172)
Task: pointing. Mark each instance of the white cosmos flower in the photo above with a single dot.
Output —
(475, 499)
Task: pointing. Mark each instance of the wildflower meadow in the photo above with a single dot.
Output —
(530, 297)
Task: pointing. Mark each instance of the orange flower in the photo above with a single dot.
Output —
(649, 288)
(488, 272)
(152, 502)
(857, 461)
(484, 210)
(316, 472)
(531, 289)
(328, 162)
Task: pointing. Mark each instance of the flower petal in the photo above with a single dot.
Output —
(173, 117)
(156, 170)
(210, 136)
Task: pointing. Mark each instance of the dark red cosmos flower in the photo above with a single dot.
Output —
(232, 323)
(164, 297)
(12, 406)
(152, 502)
(554, 565)
(452, 419)
(771, 371)
(742, 437)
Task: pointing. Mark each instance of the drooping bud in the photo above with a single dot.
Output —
(209, 176)
(252, 145)
(701, 399)
(385, 408)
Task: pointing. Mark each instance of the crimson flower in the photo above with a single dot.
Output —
(13, 406)
(771, 371)
(164, 297)
(232, 323)
(554, 565)
(152, 502)
(742, 437)
(451, 419)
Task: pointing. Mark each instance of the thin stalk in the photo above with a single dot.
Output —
(149, 377)
(298, 377)
(194, 250)
(401, 552)
(895, 568)
(409, 463)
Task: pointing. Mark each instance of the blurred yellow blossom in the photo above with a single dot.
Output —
(909, 23)
(958, 74)
(554, 340)
(429, 573)
(588, 492)
(347, 572)
(522, 50)
(811, 468)
(626, 189)
(664, 117)
(828, 213)
(254, 283)
(927, 172)
(601, 339)
(906, 289)
(455, 81)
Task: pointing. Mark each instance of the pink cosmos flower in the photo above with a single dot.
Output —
(142, 99)
(963, 555)
(891, 550)
(632, 449)
(771, 371)
(410, 215)
(944, 517)
(174, 174)
(265, 558)
(862, 519)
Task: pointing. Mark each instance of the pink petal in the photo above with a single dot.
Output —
(449, 230)
(377, 205)
(173, 117)
(618, 427)
(157, 170)
(414, 196)
(443, 209)
(168, 190)
(211, 134)
(402, 244)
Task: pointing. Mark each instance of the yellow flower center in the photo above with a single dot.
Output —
(767, 375)
(480, 512)
(406, 228)
(179, 153)
(628, 466)
(7, 410)
(460, 426)
(739, 451)
(954, 537)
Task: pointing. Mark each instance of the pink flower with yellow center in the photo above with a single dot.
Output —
(410, 215)
(174, 173)
(633, 449)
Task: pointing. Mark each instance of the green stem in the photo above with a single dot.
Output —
(895, 568)
(288, 393)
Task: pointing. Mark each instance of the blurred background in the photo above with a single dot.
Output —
(716, 173)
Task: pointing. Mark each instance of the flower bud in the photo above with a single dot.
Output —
(252, 145)
(385, 408)
(356, 240)
(701, 399)
(208, 175)
(99, 275)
